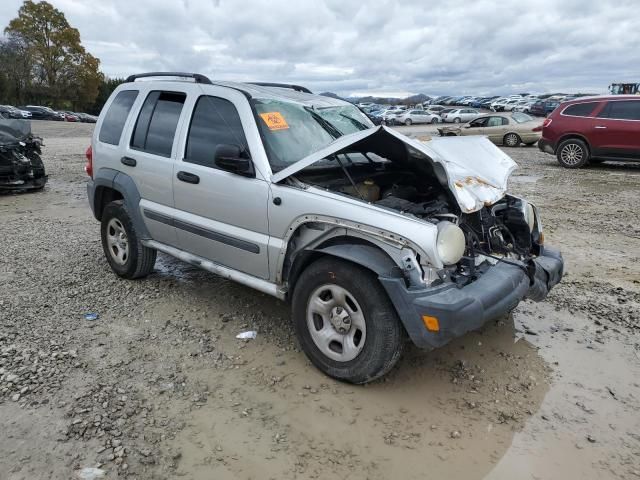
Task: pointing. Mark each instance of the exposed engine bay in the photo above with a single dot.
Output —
(21, 167)
(499, 232)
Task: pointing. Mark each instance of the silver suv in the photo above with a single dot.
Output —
(372, 236)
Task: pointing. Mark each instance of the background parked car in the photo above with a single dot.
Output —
(460, 115)
(416, 116)
(593, 129)
(507, 129)
(43, 113)
(13, 112)
(435, 109)
(510, 103)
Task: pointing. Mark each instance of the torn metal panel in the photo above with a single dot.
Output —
(476, 170)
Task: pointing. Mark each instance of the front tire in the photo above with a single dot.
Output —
(573, 153)
(125, 253)
(511, 140)
(345, 322)
(434, 120)
(407, 122)
(456, 120)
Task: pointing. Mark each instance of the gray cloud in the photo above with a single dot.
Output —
(382, 46)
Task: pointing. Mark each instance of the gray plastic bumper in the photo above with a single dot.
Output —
(462, 309)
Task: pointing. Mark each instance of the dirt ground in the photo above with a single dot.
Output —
(159, 387)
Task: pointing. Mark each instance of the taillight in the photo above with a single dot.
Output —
(537, 129)
(89, 166)
(547, 122)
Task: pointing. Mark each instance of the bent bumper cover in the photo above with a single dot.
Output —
(460, 310)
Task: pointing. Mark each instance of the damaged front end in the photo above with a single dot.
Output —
(489, 252)
(21, 167)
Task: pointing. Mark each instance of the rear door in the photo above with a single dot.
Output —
(616, 129)
(496, 128)
(149, 157)
(221, 216)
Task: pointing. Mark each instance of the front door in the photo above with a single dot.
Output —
(220, 216)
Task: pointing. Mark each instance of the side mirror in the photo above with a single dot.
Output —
(467, 126)
(234, 159)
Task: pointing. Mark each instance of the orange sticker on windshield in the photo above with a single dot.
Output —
(274, 120)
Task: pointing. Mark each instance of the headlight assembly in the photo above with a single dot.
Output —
(450, 243)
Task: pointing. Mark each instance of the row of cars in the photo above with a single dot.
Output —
(38, 112)
(538, 105)
(401, 115)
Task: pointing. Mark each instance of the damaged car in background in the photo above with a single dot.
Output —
(21, 167)
(373, 237)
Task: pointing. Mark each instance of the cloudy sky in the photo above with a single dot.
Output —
(368, 47)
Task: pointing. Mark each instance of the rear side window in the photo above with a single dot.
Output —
(580, 109)
(497, 122)
(116, 116)
(215, 121)
(157, 121)
(622, 110)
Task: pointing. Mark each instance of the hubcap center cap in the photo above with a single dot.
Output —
(340, 320)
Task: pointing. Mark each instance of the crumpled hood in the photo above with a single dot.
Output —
(14, 131)
(476, 170)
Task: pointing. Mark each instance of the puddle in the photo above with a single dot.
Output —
(588, 425)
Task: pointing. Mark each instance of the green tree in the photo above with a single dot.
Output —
(68, 73)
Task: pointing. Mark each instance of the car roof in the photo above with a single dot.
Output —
(603, 98)
(265, 92)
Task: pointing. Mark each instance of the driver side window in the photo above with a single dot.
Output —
(215, 121)
(479, 122)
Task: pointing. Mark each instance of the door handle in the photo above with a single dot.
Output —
(188, 177)
(602, 127)
(130, 162)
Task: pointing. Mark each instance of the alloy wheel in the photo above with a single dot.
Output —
(571, 154)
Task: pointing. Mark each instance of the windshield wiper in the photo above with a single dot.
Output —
(330, 129)
(357, 123)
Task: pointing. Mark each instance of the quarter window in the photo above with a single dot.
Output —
(580, 109)
(156, 125)
(116, 117)
(215, 122)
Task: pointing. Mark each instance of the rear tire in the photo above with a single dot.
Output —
(573, 153)
(345, 322)
(511, 140)
(434, 120)
(125, 253)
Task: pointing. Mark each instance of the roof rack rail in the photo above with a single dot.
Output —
(196, 76)
(297, 88)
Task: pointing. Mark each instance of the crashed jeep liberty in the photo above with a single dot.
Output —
(372, 236)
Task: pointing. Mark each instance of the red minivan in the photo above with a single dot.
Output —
(593, 129)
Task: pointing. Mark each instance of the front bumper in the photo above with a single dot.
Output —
(462, 309)
(545, 146)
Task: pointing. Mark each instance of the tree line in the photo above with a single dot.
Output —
(43, 62)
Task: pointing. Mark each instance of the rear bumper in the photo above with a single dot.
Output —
(546, 146)
(460, 310)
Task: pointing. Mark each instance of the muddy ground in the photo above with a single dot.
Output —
(159, 387)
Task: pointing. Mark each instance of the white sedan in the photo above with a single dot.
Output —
(460, 115)
(416, 116)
